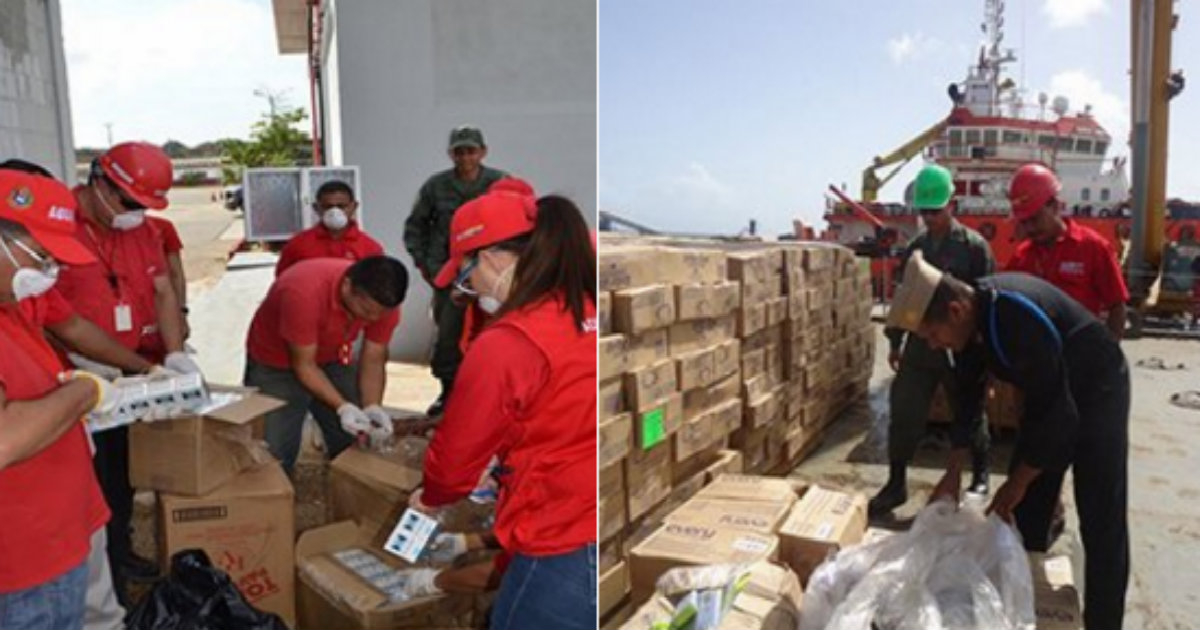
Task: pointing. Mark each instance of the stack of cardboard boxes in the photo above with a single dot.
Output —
(220, 491)
(708, 364)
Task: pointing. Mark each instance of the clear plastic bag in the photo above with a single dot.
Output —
(954, 569)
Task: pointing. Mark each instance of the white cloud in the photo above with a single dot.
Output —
(1067, 13)
(910, 46)
(182, 69)
(697, 186)
(1109, 108)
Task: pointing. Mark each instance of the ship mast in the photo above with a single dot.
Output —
(983, 85)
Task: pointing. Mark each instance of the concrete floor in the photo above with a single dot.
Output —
(1164, 493)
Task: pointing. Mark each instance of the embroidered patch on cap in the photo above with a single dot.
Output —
(20, 198)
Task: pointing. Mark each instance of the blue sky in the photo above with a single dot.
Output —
(713, 112)
(181, 69)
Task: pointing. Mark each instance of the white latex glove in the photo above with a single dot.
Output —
(158, 372)
(108, 396)
(382, 424)
(354, 420)
(420, 583)
(102, 370)
(182, 363)
(446, 547)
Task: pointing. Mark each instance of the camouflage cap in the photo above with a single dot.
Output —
(466, 136)
(914, 293)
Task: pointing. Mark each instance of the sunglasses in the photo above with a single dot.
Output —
(45, 264)
(462, 282)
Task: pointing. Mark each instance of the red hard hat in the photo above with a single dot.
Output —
(141, 170)
(1033, 185)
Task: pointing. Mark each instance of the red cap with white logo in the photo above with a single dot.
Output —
(46, 208)
(507, 210)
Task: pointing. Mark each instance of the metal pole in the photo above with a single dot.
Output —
(1142, 20)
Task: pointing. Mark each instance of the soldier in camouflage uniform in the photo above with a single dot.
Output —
(427, 237)
(962, 252)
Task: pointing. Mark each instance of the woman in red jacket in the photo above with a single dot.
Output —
(526, 392)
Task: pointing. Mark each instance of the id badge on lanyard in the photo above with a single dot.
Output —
(123, 317)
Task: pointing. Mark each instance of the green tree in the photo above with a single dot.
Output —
(276, 140)
(175, 149)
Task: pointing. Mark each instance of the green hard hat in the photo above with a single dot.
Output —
(933, 187)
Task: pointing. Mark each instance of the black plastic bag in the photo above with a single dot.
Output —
(198, 596)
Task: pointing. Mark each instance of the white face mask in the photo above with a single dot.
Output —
(492, 303)
(335, 218)
(28, 282)
(129, 219)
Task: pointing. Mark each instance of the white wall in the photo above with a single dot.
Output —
(35, 122)
(522, 70)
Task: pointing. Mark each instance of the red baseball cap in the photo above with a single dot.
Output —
(504, 212)
(46, 208)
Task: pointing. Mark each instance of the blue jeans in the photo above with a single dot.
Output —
(548, 592)
(57, 604)
(285, 425)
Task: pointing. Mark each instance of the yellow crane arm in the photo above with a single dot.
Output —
(871, 183)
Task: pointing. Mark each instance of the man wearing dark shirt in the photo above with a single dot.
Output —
(1027, 332)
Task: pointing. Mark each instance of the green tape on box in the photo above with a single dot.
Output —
(652, 428)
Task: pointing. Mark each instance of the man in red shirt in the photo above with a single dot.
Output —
(1068, 255)
(336, 236)
(128, 294)
(52, 503)
(172, 251)
(301, 343)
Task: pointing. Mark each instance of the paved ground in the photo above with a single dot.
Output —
(204, 226)
(1164, 502)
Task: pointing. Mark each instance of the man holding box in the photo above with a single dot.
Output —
(301, 344)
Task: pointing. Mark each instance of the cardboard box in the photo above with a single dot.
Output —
(647, 479)
(751, 318)
(604, 311)
(694, 436)
(696, 369)
(750, 488)
(683, 492)
(694, 466)
(613, 587)
(756, 387)
(196, 454)
(777, 311)
(649, 386)
(624, 267)
(817, 299)
(247, 528)
(331, 596)
(618, 616)
(611, 508)
(679, 265)
(686, 544)
(366, 487)
(657, 424)
(762, 411)
(727, 416)
(728, 463)
(750, 267)
(613, 356)
(611, 397)
(643, 308)
(760, 517)
(706, 301)
(700, 400)
(754, 363)
(771, 600)
(1055, 598)
(701, 333)
(821, 523)
(727, 358)
(818, 257)
(616, 435)
(647, 348)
